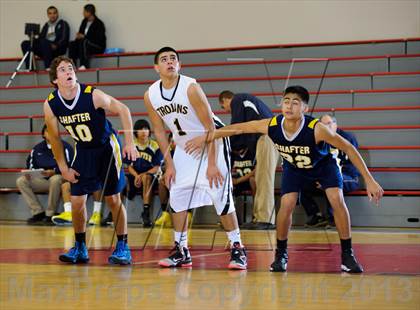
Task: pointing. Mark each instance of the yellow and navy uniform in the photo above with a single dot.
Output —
(304, 159)
(87, 125)
(97, 147)
(149, 156)
(242, 164)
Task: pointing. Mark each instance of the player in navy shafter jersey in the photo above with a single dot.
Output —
(243, 170)
(97, 162)
(303, 143)
(243, 174)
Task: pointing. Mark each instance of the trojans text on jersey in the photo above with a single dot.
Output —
(172, 108)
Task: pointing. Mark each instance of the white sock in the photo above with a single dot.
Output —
(234, 236)
(181, 238)
(67, 207)
(97, 206)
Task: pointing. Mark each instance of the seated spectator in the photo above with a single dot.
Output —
(165, 218)
(350, 173)
(90, 39)
(52, 41)
(96, 216)
(350, 179)
(141, 173)
(65, 217)
(243, 173)
(312, 210)
(65, 193)
(41, 157)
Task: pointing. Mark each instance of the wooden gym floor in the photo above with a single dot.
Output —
(33, 278)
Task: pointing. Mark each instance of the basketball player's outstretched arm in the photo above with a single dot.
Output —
(201, 106)
(109, 103)
(160, 134)
(323, 133)
(57, 145)
(261, 126)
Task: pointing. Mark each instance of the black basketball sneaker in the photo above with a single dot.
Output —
(280, 261)
(179, 257)
(238, 259)
(349, 262)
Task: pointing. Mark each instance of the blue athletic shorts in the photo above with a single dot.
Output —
(327, 173)
(93, 164)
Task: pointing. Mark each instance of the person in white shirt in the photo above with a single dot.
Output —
(178, 102)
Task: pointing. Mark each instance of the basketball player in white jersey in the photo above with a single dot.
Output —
(178, 102)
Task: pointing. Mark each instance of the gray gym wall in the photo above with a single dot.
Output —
(138, 25)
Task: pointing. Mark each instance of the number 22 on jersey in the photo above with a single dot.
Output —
(300, 161)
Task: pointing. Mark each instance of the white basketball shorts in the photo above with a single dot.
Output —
(184, 195)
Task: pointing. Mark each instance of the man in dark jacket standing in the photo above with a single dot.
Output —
(244, 108)
(52, 41)
(90, 39)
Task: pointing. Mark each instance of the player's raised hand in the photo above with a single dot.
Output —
(374, 191)
(195, 146)
(130, 152)
(214, 176)
(70, 175)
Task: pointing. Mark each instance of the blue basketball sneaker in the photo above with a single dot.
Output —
(121, 254)
(77, 254)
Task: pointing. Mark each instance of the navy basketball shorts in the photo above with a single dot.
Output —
(327, 173)
(93, 164)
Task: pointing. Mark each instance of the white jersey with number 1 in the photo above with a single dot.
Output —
(175, 109)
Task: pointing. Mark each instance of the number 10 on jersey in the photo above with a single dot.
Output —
(80, 133)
